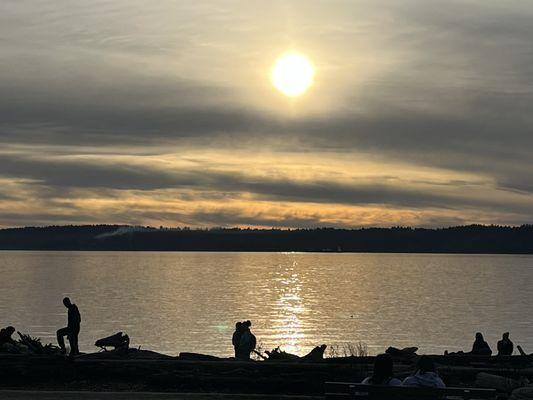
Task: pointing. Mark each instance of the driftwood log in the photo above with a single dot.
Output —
(118, 341)
(405, 352)
(35, 345)
(317, 354)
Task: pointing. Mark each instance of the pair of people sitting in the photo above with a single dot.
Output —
(482, 348)
(425, 376)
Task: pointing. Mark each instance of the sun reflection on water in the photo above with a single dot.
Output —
(290, 307)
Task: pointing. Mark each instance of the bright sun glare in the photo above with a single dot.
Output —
(292, 74)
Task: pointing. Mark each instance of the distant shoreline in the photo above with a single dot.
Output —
(470, 239)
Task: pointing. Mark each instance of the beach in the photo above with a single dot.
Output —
(152, 375)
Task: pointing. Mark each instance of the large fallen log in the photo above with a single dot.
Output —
(315, 355)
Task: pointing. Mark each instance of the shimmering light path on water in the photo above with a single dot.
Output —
(173, 302)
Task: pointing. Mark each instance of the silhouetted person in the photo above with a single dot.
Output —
(247, 343)
(426, 376)
(480, 347)
(236, 339)
(505, 346)
(382, 374)
(72, 330)
(5, 336)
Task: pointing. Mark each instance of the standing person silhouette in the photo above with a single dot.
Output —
(247, 343)
(72, 330)
(236, 339)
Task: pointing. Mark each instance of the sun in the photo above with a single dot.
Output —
(292, 74)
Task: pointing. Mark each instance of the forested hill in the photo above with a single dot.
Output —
(462, 239)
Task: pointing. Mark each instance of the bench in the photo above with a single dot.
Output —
(352, 391)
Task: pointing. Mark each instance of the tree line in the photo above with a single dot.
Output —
(461, 239)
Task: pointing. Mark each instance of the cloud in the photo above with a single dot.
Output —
(445, 88)
(211, 183)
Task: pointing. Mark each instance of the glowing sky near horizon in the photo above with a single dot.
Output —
(166, 113)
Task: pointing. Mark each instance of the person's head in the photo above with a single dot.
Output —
(247, 324)
(10, 330)
(479, 336)
(66, 302)
(382, 368)
(238, 326)
(425, 364)
(506, 336)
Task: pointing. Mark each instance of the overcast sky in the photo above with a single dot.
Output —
(163, 113)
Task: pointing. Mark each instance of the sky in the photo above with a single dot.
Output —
(163, 113)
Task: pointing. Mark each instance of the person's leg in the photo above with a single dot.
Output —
(244, 355)
(73, 340)
(61, 333)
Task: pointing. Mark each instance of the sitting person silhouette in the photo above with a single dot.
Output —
(426, 376)
(480, 347)
(72, 329)
(247, 343)
(383, 372)
(5, 336)
(505, 346)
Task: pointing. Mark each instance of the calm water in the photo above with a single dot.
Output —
(173, 302)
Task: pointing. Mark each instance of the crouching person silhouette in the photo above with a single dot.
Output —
(72, 330)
